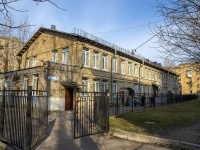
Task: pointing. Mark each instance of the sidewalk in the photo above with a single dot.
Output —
(60, 137)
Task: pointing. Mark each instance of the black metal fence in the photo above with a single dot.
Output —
(23, 117)
(123, 102)
(91, 113)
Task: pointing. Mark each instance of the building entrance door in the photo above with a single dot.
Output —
(69, 99)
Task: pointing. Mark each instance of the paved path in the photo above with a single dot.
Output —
(60, 137)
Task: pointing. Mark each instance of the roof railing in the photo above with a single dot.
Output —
(113, 46)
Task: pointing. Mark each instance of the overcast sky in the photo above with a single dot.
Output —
(99, 17)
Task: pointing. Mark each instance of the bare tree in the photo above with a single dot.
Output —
(168, 62)
(6, 15)
(179, 36)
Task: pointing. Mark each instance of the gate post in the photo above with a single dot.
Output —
(2, 113)
(28, 129)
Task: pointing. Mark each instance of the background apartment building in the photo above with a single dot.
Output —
(189, 77)
(9, 48)
(64, 63)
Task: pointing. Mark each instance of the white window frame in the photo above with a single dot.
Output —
(25, 84)
(141, 72)
(105, 86)
(153, 76)
(96, 86)
(149, 72)
(122, 67)
(27, 63)
(55, 56)
(65, 56)
(135, 70)
(85, 83)
(1, 85)
(114, 88)
(34, 62)
(96, 60)
(114, 64)
(86, 57)
(129, 68)
(35, 84)
(105, 62)
(146, 73)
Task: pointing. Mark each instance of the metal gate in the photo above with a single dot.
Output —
(23, 117)
(91, 113)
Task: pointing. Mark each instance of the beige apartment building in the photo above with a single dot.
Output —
(189, 77)
(9, 48)
(64, 63)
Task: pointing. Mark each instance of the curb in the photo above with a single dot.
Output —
(151, 139)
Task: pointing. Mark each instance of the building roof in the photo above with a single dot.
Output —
(87, 36)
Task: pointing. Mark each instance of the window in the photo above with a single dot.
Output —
(27, 63)
(34, 62)
(153, 75)
(85, 86)
(105, 86)
(114, 65)
(96, 86)
(1, 85)
(141, 72)
(135, 70)
(55, 56)
(122, 67)
(197, 72)
(114, 87)
(96, 60)
(105, 62)
(65, 56)
(149, 72)
(141, 89)
(136, 87)
(197, 85)
(146, 73)
(86, 57)
(129, 68)
(25, 85)
(35, 84)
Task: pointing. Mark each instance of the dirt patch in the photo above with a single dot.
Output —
(187, 134)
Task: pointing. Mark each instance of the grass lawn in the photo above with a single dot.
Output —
(166, 117)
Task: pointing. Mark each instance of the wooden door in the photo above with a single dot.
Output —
(69, 99)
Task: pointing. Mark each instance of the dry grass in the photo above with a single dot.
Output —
(146, 122)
